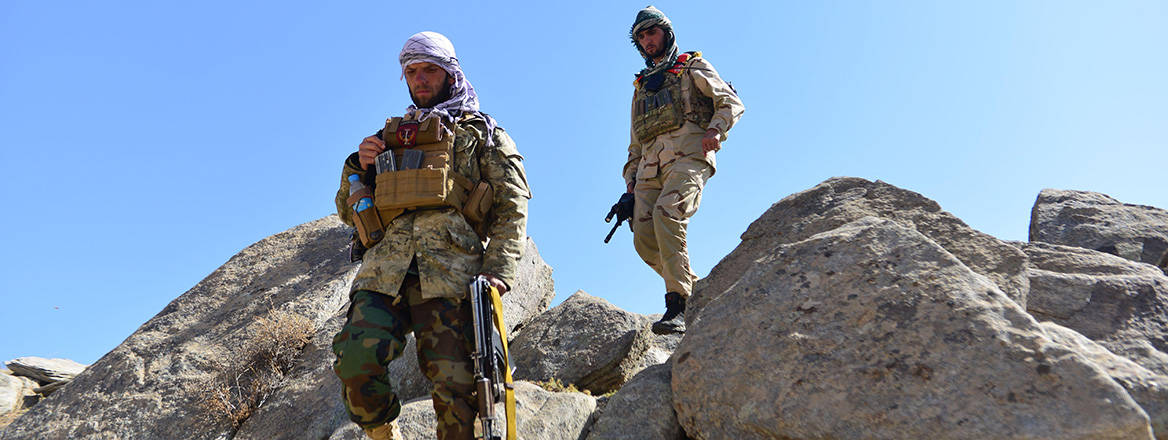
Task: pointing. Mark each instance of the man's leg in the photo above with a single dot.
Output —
(644, 236)
(680, 195)
(373, 335)
(443, 328)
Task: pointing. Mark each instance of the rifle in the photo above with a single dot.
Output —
(492, 367)
(623, 210)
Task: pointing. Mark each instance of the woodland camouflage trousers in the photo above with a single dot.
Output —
(375, 334)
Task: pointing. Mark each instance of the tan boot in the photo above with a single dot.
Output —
(387, 431)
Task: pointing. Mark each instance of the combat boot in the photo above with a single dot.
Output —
(674, 319)
(387, 431)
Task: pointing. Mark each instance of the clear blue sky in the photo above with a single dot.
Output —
(142, 144)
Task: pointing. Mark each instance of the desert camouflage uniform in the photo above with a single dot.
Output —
(388, 300)
(669, 172)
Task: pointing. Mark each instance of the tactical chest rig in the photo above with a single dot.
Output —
(420, 173)
(659, 106)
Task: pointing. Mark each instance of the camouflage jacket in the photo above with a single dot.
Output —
(646, 158)
(447, 249)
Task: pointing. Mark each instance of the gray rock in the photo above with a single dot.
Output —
(45, 371)
(1118, 303)
(874, 331)
(11, 393)
(582, 341)
(541, 415)
(143, 388)
(641, 410)
(1096, 221)
(1148, 389)
(841, 200)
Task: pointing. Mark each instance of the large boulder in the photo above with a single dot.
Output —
(841, 200)
(585, 341)
(1118, 303)
(1148, 388)
(541, 415)
(11, 393)
(143, 388)
(641, 410)
(873, 330)
(1096, 221)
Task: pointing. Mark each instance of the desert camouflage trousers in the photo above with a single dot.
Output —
(664, 205)
(375, 334)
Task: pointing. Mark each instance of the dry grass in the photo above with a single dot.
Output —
(556, 386)
(243, 383)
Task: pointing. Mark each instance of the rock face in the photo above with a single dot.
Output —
(872, 330)
(1149, 389)
(588, 342)
(641, 410)
(1118, 303)
(838, 201)
(304, 271)
(1096, 221)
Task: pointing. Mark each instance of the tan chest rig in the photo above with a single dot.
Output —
(659, 106)
(439, 181)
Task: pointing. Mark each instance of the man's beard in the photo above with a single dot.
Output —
(442, 96)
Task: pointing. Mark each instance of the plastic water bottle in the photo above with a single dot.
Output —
(354, 186)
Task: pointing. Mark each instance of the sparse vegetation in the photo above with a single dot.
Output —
(245, 381)
(556, 386)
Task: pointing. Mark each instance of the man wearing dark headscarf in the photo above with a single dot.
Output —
(682, 111)
(415, 278)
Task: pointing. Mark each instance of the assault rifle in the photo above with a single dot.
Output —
(492, 368)
(623, 210)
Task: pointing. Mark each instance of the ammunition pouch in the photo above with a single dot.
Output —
(660, 106)
(434, 184)
(369, 227)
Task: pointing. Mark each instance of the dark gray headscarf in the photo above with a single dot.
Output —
(649, 17)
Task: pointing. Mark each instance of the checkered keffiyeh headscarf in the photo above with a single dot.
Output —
(433, 47)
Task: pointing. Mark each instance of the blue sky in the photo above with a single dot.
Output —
(142, 144)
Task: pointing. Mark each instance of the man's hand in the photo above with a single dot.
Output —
(499, 284)
(711, 142)
(631, 185)
(369, 149)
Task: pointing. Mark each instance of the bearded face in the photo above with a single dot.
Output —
(429, 84)
(652, 41)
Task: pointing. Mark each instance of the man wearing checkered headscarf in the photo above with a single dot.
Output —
(682, 111)
(416, 277)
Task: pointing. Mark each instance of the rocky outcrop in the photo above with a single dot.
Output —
(841, 200)
(588, 342)
(1148, 388)
(873, 330)
(1096, 221)
(641, 410)
(45, 371)
(11, 393)
(1120, 304)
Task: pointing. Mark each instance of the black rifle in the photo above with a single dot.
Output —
(490, 361)
(622, 210)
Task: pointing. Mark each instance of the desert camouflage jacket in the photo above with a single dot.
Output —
(647, 158)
